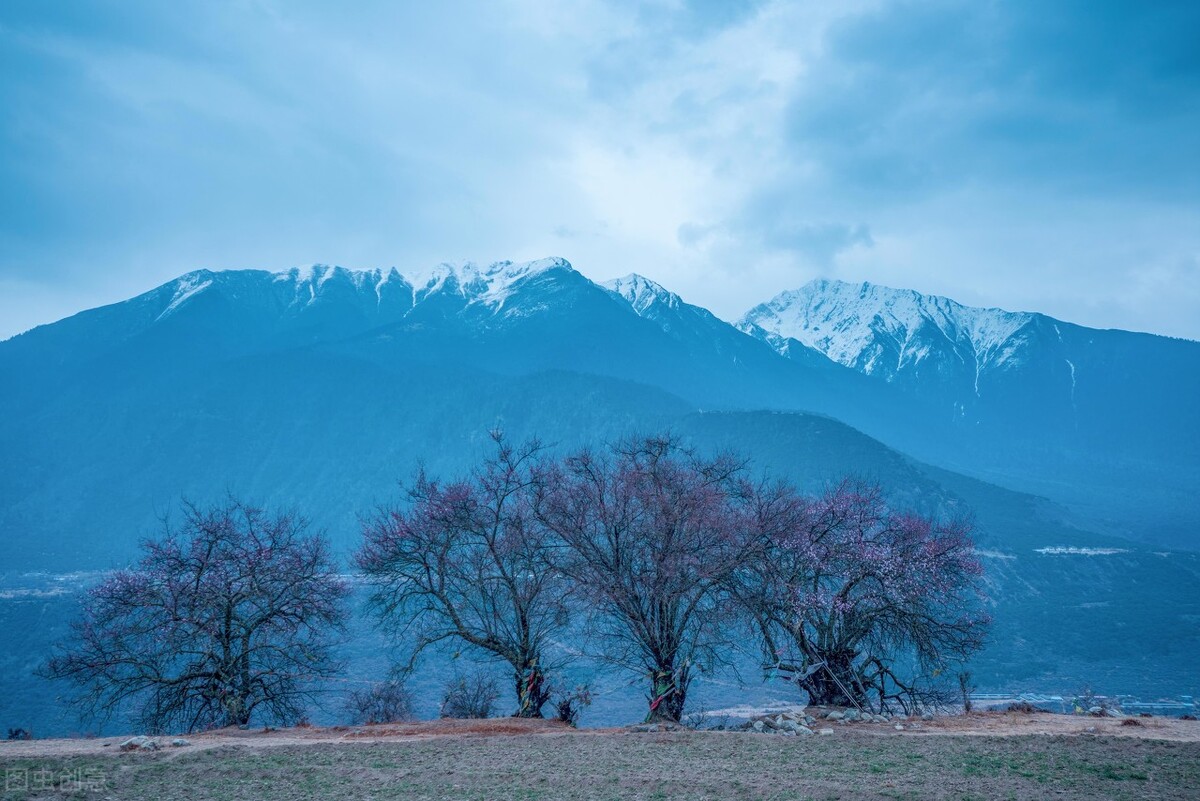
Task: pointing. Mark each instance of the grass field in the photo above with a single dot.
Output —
(597, 767)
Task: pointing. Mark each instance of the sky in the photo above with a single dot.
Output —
(1039, 156)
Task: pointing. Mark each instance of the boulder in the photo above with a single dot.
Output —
(139, 743)
(835, 715)
(826, 731)
(180, 742)
(927, 716)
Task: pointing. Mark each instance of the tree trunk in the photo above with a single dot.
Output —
(532, 693)
(668, 694)
(823, 690)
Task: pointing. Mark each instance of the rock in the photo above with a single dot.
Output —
(758, 726)
(851, 715)
(826, 731)
(180, 742)
(139, 743)
(834, 715)
(927, 716)
(1095, 710)
(1113, 713)
(779, 721)
(880, 719)
(809, 720)
(899, 727)
(804, 730)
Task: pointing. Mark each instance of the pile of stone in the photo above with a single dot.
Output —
(139, 743)
(853, 715)
(786, 723)
(145, 744)
(805, 722)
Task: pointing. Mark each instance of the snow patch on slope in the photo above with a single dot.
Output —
(186, 288)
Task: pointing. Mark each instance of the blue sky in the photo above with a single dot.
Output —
(1029, 155)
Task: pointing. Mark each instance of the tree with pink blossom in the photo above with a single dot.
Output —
(859, 603)
(469, 563)
(651, 534)
(228, 618)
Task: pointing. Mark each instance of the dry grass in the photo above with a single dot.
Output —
(510, 759)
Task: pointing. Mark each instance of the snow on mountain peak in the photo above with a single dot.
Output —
(641, 293)
(490, 284)
(880, 330)
(487, 286)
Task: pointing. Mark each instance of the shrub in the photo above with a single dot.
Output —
(1024, 707)
(470, 697)
(386, 702)
(569, 705)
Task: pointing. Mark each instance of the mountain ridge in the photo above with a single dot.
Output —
(1098, 419)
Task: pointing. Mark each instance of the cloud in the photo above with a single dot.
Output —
(1023, 154)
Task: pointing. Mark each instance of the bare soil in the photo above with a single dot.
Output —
(987, 755)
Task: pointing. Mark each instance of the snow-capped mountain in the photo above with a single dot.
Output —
(378, 296)
(1028, 393)
(897, 335)
(1021, 399)
(981, 365)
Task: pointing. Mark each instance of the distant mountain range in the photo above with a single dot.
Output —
(322, 388)
(1106, 422)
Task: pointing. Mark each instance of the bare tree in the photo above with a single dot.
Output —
(651, 537)
(227, 618)
(846, 588)
(469, 562)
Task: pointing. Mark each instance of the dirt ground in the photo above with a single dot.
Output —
(987, 755)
